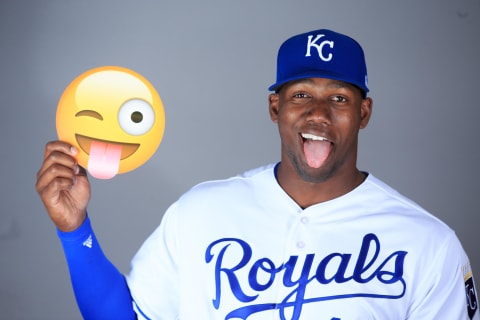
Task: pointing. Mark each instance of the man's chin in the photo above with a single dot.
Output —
(315, 175)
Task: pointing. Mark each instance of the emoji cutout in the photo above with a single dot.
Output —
(114, 117)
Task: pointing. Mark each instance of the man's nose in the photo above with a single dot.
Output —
(319, 112)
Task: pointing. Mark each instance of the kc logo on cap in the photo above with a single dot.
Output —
(321, 54)
(319, 47)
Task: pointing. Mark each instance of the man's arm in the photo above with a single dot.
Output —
(100, 289)
(64, 189)
(443, 291)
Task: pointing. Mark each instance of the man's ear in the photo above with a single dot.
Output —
(365, 112)
(273, 106)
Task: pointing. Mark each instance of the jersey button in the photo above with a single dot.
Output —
(304, 220)
(300, 244)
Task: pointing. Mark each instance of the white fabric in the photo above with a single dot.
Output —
(244, 243)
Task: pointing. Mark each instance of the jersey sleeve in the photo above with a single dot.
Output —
(447, 290)
(100, 289)
(153, 278)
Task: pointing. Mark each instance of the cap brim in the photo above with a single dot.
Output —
(327, 75)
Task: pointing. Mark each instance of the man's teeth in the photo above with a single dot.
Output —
(313, 137)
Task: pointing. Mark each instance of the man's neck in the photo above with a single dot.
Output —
(306, 193)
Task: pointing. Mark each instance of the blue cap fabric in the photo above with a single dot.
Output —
(321, 54)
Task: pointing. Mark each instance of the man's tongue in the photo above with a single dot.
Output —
(316, 152)
(104, 159)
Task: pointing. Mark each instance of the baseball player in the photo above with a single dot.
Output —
(310, 237)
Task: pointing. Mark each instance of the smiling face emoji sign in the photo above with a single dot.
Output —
(114, 117)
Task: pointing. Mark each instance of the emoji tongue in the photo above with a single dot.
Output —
(104, 159)
(316, 152)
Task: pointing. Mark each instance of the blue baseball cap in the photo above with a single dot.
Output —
(321, 54)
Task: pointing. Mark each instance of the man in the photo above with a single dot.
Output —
(311, 237)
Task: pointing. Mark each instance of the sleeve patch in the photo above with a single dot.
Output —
(472, 302)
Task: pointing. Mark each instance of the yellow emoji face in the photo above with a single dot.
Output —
(114, 117)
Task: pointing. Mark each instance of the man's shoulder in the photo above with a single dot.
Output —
(396, 204)
(235, 185)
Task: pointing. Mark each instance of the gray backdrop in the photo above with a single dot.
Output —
(212, 62)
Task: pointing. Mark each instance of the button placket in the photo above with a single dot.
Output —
(303, 221)
(300, 244)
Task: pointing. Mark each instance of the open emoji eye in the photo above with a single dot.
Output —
(136, 117)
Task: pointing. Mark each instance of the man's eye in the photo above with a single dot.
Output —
(339, 99)
(300, 95)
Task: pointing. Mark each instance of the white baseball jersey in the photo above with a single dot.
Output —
(241, 248)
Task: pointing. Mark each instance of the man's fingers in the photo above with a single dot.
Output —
(53, 168)
(60, 146)
(53, 189)
(63, 185)
(57, 175)
(55, 158)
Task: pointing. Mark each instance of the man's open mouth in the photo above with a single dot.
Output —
(316, 149)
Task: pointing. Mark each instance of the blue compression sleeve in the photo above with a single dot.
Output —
(100, 289)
